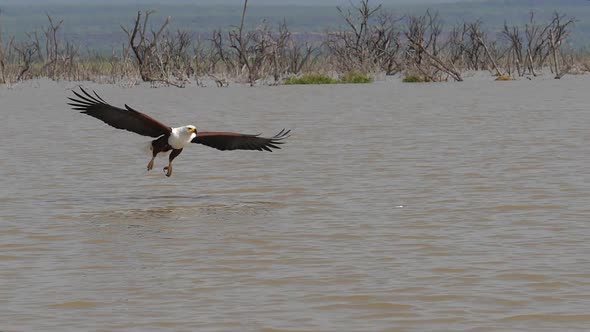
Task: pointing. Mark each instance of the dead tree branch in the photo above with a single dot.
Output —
(558, 33)
(145, 47)
(478, 35)
(423, 51)
(370, 42)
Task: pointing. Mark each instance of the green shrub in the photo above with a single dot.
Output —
(311, 79)
(353, 77)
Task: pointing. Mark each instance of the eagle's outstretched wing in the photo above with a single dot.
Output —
(128, 119)
(235, 141)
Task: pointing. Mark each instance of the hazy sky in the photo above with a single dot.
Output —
(251, 2)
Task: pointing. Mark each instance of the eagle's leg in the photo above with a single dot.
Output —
(157, 146)
(154, 154)
(173, 154)
(151, 164)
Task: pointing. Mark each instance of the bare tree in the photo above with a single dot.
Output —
(424, 51)
(277, 51)
(26, 52)
(145, 47)
(479, 38)
(297, 56)
(535, 45)
(205, 58)
(286, 55)
(386, 42)
(251, 55)
(459, 49)
(70, 53)
(516, 47)
(243, 52)
(540, 42)
(529, 50)
(239, 43)
(52, 46)
(558, 33)
(252, 48)
(123, 68)
(370, 42)
(173, 58)
(350, 46)
(221, 52)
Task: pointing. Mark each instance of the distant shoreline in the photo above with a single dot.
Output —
(286, 44)
(98, 26)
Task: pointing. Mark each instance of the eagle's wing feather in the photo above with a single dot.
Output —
(235, 141)
(127, 119)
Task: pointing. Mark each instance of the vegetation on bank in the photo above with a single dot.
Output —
(372, 41)
(354, 77)
(325, 79)
(311, 79)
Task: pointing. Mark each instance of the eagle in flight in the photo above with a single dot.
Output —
(168, 138)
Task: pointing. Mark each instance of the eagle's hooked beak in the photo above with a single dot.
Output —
(193, 130)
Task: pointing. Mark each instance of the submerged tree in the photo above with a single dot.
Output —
(425, 52)
(371, 41)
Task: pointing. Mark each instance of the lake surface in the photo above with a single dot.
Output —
(392, 207)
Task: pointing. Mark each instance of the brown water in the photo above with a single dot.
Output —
(393, 207)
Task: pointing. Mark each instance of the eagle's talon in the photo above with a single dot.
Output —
(167, 170)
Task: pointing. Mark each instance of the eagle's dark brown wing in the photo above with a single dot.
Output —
(235, 141)
(128, 119)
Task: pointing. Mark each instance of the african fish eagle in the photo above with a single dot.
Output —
(168, 138)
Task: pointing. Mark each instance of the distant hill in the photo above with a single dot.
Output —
(98, 26)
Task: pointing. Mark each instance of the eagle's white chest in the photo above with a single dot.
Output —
(180, 137)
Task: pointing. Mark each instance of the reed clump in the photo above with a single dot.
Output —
(355, 77)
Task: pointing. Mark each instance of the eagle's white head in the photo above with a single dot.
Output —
(181, 136)
(191, 129)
